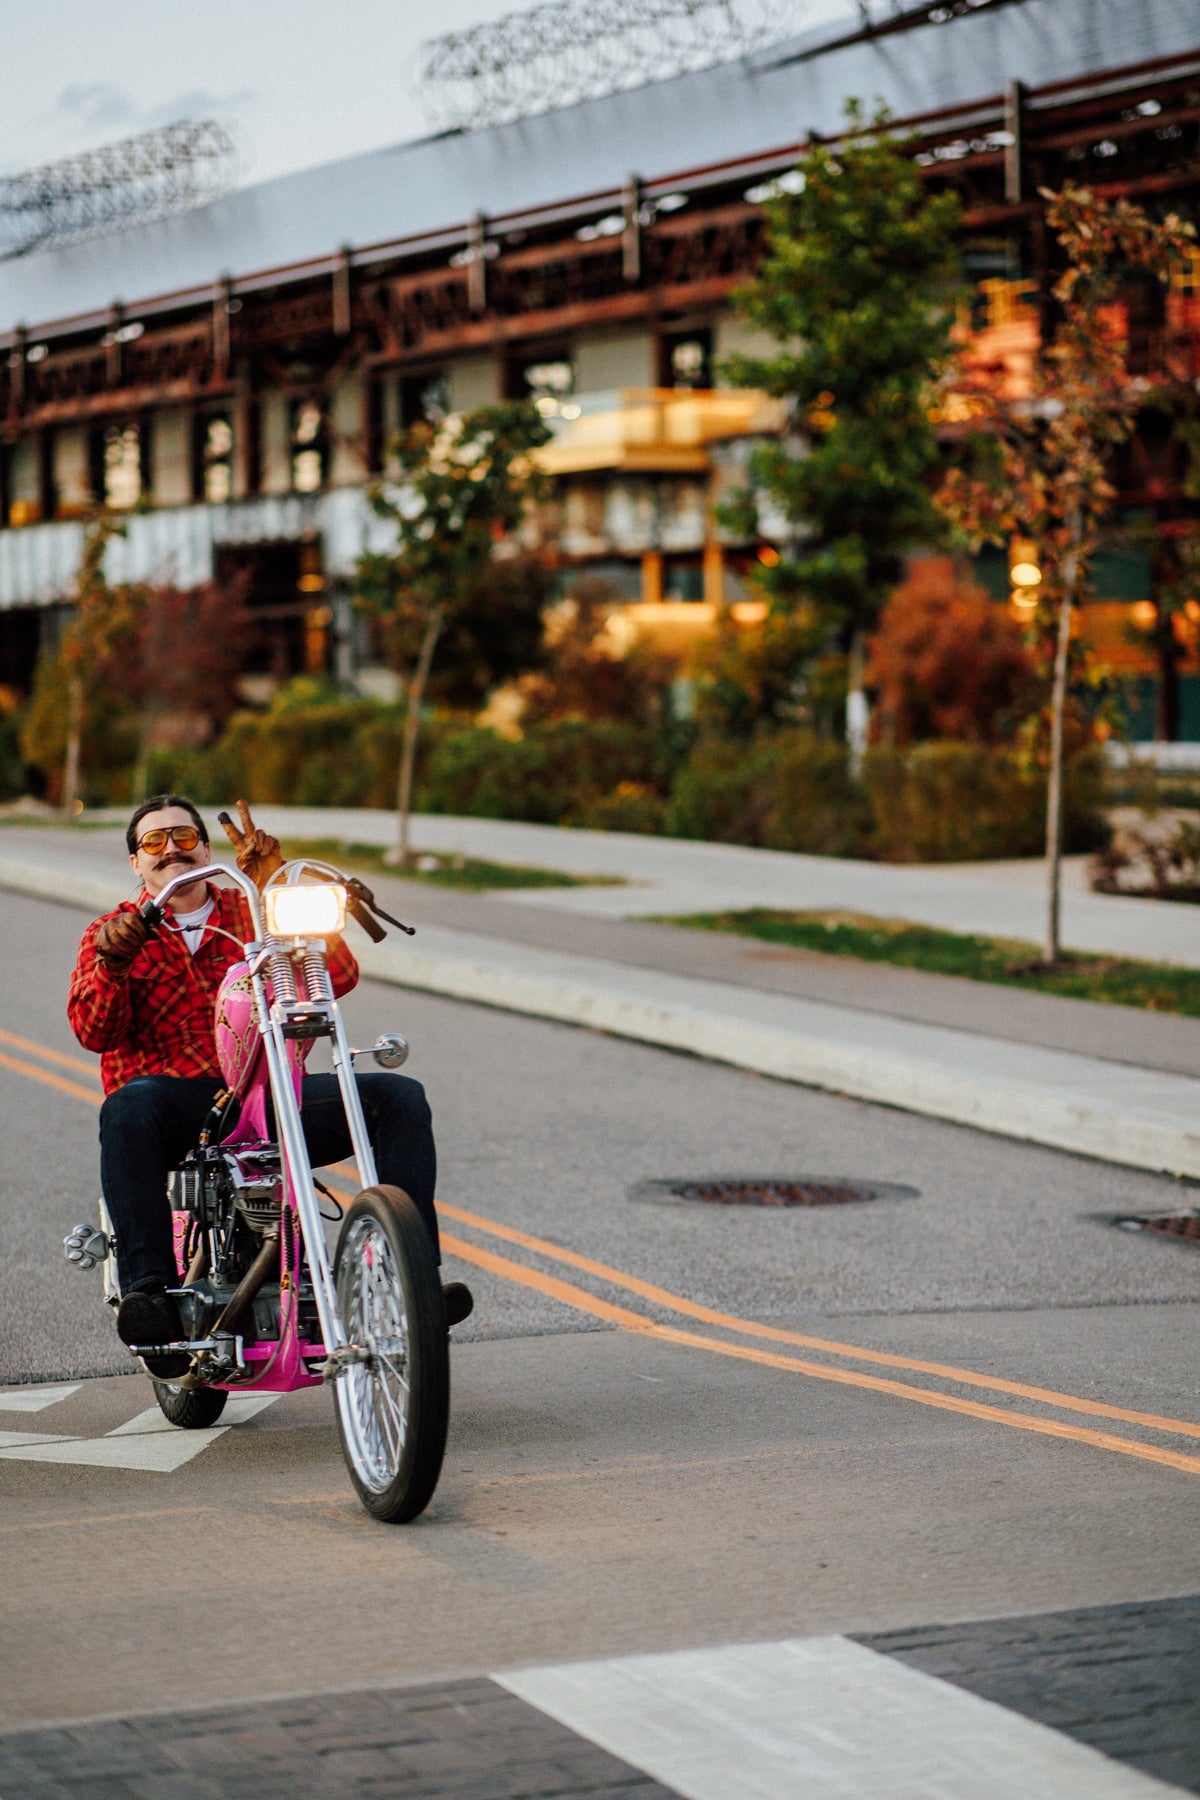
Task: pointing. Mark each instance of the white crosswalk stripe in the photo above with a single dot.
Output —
(817, 1716)
(36, 1399)
(148, 1442)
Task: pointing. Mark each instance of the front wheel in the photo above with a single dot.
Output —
(393, 1407)
(192, 1408)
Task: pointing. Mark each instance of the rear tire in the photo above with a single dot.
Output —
(191, 1408)
(393, 1412)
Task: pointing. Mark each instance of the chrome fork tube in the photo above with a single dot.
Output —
(343, 1064)
(295, 1153)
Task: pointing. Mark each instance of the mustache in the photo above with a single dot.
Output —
(169, 862)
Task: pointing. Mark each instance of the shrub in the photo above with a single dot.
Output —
(958, 802)
(555, 769)
(816, 804)
(631, 806)
(311, 747)
(947, 661)
(939, 802)
(793, 791)
(716, 794)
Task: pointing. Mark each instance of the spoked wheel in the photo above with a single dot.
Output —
(393, 1407)
(192, 1408)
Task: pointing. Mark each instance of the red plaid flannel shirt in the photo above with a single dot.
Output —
(159, 1020)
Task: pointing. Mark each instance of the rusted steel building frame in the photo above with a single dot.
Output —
(516, 281)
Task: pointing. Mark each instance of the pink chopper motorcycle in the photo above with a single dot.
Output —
(263, 1307)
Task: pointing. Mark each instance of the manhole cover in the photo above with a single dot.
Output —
(1184, 1225)
(772, 1190)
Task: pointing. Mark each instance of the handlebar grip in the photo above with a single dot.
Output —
(151, 915)
(370, 925)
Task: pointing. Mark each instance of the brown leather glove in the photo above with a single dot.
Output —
(118, 941)
(258, 854)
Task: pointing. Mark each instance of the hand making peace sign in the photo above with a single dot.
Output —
(258, 854)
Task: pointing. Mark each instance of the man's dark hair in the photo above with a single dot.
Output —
(156, 803)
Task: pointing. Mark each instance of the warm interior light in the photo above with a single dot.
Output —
(1025, 574)
(768, 556)
(1025, 600)
(1144, 613)
(748, 612)
(315, 910)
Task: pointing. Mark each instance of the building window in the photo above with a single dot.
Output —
(1185, 277)
(424, 399)
(310, 446)
(122, 467)
(24, 483)
(687, 359)
(217, 452)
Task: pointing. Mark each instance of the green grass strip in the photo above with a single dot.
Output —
(441, 868)
(1115, 980)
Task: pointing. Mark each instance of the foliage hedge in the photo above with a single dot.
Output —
(954, 802)
(792, 790)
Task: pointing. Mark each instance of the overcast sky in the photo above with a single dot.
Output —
(296, 82)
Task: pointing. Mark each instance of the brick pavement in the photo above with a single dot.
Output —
(1119, 1679)
(1124, 1679)
(459, 1740)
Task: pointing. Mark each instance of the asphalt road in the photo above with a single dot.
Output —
(610, 1486)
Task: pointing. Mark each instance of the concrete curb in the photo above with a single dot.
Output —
(1141, 1118)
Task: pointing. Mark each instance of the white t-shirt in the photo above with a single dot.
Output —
(191, 924)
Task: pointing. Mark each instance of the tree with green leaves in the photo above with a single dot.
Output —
(858, 288)
(94, 672)
(455, 500)
(1039, 467)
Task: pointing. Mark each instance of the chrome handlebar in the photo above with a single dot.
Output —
(205, 872)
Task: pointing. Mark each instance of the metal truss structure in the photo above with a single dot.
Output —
(140, 178)
(561, 52)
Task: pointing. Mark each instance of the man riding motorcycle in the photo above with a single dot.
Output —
(145, 1003)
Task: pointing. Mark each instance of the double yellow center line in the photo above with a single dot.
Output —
(644, 1324)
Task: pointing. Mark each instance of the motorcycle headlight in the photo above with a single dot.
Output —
(316, 910)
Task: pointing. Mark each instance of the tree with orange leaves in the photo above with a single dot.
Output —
(946, 661)
(1038, 467)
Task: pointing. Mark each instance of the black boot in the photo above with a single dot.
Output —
(460, 1302)
(150, 1316)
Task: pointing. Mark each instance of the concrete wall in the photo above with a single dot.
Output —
(474, 382)
(276, 443)
(171, 457)
(615, 362)
(347, 416)
(733, 336)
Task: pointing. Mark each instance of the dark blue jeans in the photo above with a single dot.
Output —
(149, 1125)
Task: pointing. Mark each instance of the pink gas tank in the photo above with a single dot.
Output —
(236, 1030)
(240, 1052)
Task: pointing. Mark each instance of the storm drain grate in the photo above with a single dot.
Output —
(1174, 1225)
(772, 1191)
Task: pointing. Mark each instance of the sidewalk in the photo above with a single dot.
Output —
(674, 876)
(1104, 1081)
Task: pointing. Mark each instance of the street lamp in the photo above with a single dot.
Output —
(1025, 575)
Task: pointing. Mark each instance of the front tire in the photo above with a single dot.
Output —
(393, 1411)
(192, 1408)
